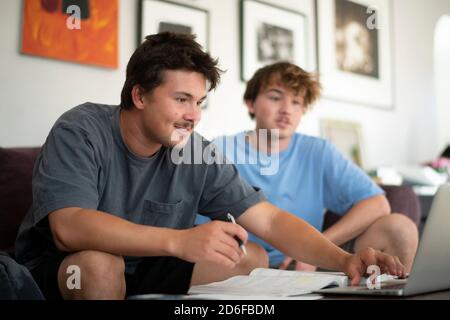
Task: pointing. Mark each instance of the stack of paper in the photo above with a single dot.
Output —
(271, 283)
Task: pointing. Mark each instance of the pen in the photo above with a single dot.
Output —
(241, 244)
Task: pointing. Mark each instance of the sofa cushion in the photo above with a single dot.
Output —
(16, 167)
(402, 199)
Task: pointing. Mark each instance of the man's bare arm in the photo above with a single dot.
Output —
(77, 229)
(358, 219)
(298, 239)
(292, 236)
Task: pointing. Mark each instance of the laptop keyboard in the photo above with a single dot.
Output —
(393, 286)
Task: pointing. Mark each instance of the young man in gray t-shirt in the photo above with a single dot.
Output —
(115, 200)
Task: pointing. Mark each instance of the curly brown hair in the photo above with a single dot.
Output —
(166, 51)
(301, 82)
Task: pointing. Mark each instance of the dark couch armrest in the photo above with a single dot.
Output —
(16, 167)
(402, 199)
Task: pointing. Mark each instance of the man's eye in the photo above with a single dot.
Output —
(274, 98)
(182, 100)
(299, 104)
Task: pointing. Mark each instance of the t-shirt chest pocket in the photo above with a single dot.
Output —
(162, 214)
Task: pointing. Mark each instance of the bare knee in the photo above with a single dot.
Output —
(401, 231)
(101, 276)
(395, 234)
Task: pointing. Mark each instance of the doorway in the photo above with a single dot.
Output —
(442, 80)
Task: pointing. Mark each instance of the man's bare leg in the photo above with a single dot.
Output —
(395, 234)
(102, 276)
(256, 257)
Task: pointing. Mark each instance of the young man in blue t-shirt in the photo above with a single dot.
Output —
(306, 175)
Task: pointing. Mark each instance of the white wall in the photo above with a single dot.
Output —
(35, 91)
(442, 74)
(414, 33)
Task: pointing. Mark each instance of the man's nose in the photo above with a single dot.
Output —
(286, 107)
(194, 113)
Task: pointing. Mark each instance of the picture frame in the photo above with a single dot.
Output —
(346, 137)
(159, 15)
(355, 59)
(268, 34)
(83, 32)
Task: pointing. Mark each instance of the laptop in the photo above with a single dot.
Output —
(431, 268)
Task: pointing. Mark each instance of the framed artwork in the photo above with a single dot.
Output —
(346, 136)
(159, 16)
(270, 34)
(82, 31)
(355, 51)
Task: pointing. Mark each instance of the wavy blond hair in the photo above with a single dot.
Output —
(301, 82)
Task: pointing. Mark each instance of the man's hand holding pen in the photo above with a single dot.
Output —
(215, 242)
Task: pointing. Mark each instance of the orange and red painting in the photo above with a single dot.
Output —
(49, 30)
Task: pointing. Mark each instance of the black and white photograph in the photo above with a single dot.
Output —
(356, 43)
(275, 43)
(174, 27)
(355, 51)
(158, 16)
(271, 34)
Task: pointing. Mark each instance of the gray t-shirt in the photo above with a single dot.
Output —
(85, 163)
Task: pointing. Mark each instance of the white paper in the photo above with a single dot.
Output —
(254, 297)
(272, 283)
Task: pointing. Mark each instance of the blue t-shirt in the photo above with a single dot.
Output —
(308, 178)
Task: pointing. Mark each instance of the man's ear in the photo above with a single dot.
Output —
(137, 96)
(250, 106)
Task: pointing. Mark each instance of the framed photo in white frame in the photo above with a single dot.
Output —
(158, 15)
(346, 137)
(355, 51)
(270, 34)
